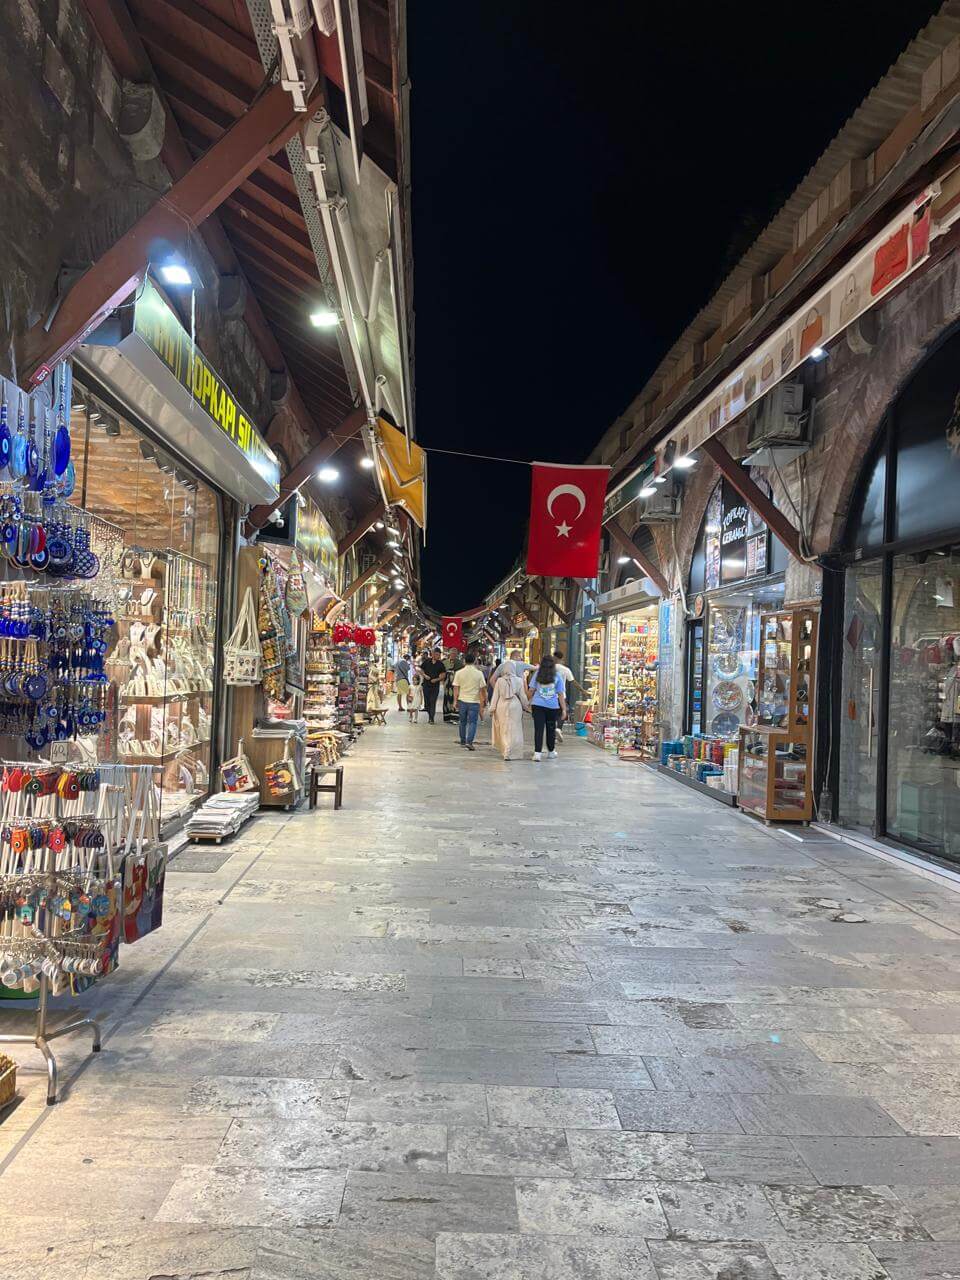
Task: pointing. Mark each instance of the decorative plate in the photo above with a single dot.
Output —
(725, 725)
(727, 696)
(727, 666)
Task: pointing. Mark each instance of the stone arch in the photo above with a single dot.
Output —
(911, 325)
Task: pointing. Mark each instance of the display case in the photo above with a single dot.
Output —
(592, 662)
(776, 753)
(632, 675)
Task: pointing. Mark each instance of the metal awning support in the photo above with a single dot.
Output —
(301, 473)
(630, 548)
(362, 579)
(754, 497)
(587, 590)
(266, 126)
(552, 604)
(366, 521)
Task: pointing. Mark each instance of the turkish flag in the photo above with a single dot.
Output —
(566, 512)
(453, 634)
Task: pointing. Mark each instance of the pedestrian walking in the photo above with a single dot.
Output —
(415, 700)
(434, 674)
(469, 699)
(401, 671)
(507, 707)
(569, 679)
(545, 690)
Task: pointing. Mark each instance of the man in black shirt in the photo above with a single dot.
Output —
(434, 673)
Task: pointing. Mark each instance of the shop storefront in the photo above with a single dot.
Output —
(629, 641)
(896, 772)
(165, 457)
(736, 578)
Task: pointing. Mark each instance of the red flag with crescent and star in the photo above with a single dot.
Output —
(453, 634)
(566, 512)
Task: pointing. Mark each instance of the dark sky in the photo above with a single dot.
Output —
(584, 175)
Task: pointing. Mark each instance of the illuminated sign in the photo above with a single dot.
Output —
(163, 333)
(314, 538)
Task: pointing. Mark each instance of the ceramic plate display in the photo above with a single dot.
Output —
(725, 725)
(727, 666)
(727, 696)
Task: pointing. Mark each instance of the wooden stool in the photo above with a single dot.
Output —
(336, 787)
(377, 717)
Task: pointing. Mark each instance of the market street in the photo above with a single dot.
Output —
(510, 1020)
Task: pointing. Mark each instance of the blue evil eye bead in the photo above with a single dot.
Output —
(61, 449)
(18, 457)
(39, 560)
(9, 532)
(101, 904)
(68, 481)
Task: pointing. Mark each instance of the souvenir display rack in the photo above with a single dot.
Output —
(592, 662)
(346, 671)
(65, 903)
(163, 661)
(703, 761)
(776, 753)
(632, 681)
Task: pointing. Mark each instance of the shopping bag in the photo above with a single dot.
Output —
(242, 659)
(144, 867)
(280, 777)
(237, 774)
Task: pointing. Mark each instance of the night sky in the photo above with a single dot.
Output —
(584, 176)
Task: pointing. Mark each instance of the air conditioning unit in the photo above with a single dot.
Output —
(326, 16)
(663, 506)
(779, 418)
(294, 16)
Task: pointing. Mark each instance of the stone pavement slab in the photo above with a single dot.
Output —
(494, 1022)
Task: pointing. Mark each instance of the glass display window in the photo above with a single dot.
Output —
(923, 736)
(592, 661)
(731, 657)
(861, 684)
(165, 577)
(633, 641)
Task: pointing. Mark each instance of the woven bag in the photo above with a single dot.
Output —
(242, 662)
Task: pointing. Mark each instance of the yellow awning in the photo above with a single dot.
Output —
(402, 467)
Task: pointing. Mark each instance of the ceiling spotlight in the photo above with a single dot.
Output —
(328, 475)
(177, 274)
(659, 479)
(623, 559)
(647, 491)
(818, 353)
(367, 463)
(392, 542)
(324, 318)
(379, 524)
(685, 462)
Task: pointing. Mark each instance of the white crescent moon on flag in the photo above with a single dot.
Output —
(452, 628)
(572, 489)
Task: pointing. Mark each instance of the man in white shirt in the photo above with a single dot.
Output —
(469, 699)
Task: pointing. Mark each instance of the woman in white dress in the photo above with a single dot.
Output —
(507, 707)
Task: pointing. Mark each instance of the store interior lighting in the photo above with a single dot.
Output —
(328, 475)
(324, 318)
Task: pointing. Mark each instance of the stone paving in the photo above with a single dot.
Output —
(510, 1022)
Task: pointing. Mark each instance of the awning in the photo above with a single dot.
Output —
(633, 595)
(145, 357)
(402, 469)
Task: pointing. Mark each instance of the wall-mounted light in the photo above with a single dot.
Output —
(324, 318)
(176, 273)
(624, 559)
(367, 463)
(818, 353)
(685, 462)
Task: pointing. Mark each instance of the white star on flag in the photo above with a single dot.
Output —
(563, 530)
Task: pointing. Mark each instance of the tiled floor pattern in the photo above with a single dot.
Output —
(510, 1022)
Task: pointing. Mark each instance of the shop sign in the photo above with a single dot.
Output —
(733, 537)
(881, 265)
(163, 333)
(314, 538)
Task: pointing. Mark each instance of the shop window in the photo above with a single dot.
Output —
(860, 695)
(923, 743)
(165, 570)
(866, 528)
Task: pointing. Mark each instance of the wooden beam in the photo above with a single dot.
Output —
(552, 604)
(389, 603)
(629, 547)
(361, 581)
(754, 496)
(211, 25)
(296, 478)
(587, 590)
(366, 521)
(267, 126)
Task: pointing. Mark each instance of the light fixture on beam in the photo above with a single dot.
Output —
(324, 318)
(328, 475)
(685, 462)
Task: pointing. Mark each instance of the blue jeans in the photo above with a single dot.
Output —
(469, 718)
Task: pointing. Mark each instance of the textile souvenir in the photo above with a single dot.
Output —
(280, 777)
(295, 595)
(144, 866)
(242, 660)
(237, 774)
